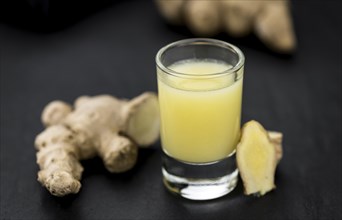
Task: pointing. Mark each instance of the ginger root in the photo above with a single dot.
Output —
(258, 154)
(202, 17)
(101, 125)
(270, 19)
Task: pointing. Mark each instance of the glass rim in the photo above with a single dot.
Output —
(209, 41)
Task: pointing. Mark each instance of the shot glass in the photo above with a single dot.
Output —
(200, 91)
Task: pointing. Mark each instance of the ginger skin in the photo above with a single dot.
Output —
(257, 155)
(94, 127)
(269, 19)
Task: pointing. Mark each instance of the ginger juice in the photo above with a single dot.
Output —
(200, 111)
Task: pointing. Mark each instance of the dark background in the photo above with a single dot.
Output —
(64, 50)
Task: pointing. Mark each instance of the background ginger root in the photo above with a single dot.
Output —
(274, 26)
(269, 19)
(238, 16)
(202, 18)
(258, 154)
(94, 127)
(171, 10)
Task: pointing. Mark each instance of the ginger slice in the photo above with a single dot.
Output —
(257, 156)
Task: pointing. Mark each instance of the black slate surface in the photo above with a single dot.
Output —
(112, 51)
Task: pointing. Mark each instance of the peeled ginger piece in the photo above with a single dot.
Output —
(258, 154)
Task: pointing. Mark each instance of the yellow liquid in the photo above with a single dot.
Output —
(200, 118)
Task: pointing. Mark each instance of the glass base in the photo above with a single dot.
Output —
(200, 181)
